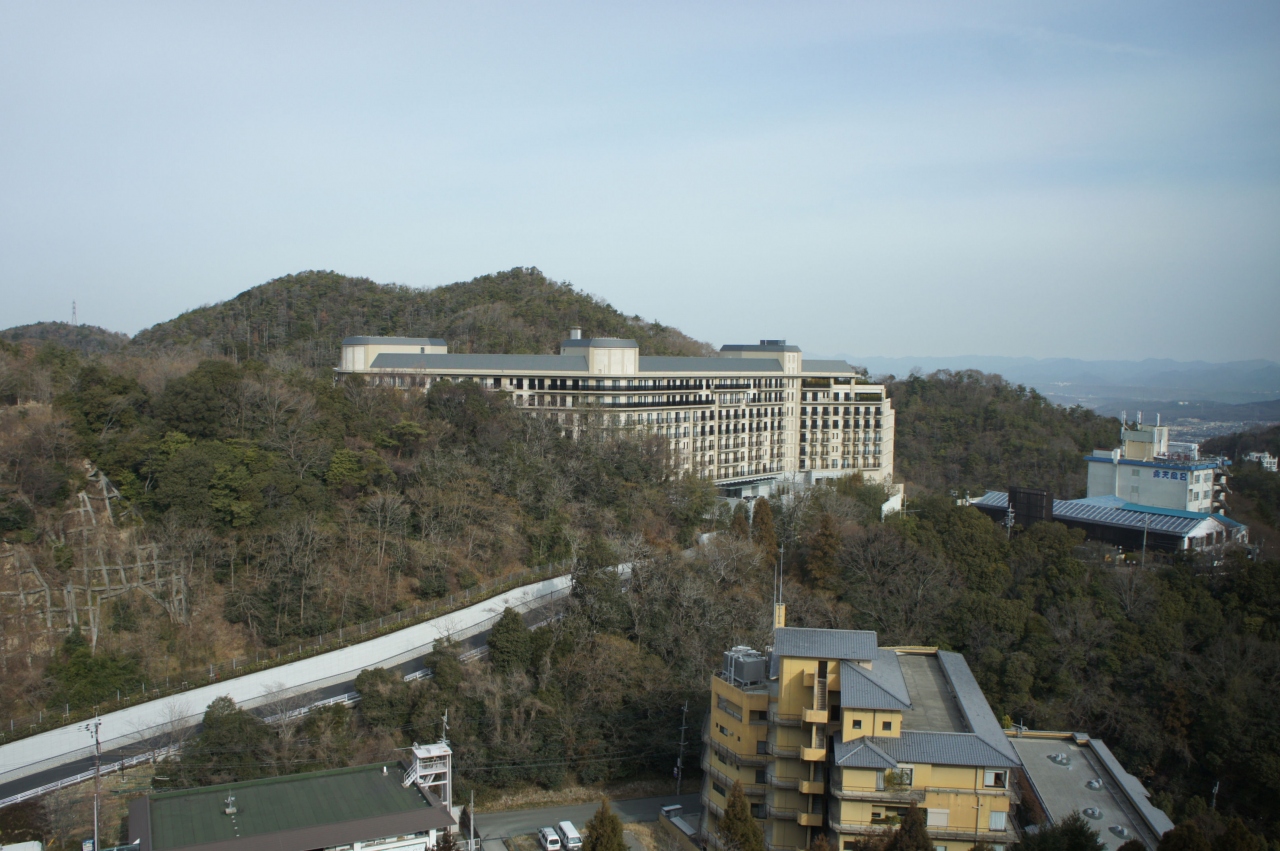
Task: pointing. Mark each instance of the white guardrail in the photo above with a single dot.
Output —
(138, 724)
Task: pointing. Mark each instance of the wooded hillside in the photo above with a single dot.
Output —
(306, 315)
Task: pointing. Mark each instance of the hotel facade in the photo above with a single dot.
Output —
(748, 418)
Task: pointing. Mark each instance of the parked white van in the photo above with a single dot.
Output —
(549, 839)
(569, 836)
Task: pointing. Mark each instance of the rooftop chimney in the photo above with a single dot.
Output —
(575, 333)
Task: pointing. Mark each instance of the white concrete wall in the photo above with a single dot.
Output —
(129, 726)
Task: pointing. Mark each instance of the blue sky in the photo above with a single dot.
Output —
(1094, 180)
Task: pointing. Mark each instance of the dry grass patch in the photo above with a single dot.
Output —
(531, 798)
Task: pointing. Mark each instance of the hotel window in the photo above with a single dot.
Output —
(718, 789)
(997, 821)
(887, 726)
(857, 723)
(995, 779)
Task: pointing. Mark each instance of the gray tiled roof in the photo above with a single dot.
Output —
(482, 363)
(883, 687)
(855, 644)
(599, 342)
(825, 366)
(395, 341)
(973, 703)
(728, 366)
(920, 747)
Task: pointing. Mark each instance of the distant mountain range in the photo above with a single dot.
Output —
(1094, 383)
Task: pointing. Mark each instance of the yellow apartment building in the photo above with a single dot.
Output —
(830, 733)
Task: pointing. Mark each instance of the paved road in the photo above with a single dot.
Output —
(494, 826)
(83, 764)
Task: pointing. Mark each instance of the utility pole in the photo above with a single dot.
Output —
(684, 714)
(95, 727)
(1146, 521)
(471, 822)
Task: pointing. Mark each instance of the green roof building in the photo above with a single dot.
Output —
(341, 809)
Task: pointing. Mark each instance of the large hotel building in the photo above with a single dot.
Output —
(749, 417)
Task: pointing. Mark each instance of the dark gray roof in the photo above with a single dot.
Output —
(973, 704)
(482, 363)
(920, 747)
(600, 343)
(1104, 511)
(882, 687)
(395, 341)
(855, 644)
(826, 366)
(653, 363)
(763, 346)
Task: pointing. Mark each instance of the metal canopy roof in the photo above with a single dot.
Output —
(1128, 515)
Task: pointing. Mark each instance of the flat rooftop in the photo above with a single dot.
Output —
(1061, 770)
(273, 809)
(934, 707)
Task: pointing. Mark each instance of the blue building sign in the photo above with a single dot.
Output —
(1169, 474)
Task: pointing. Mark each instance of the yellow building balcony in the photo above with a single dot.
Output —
(813, 754)
(811, 787)
(809, 819)
(815, 716)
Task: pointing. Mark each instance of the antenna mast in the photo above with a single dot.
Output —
(74, 321)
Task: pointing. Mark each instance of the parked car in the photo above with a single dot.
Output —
(549, 839)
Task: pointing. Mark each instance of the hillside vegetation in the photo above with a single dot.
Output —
(282, 506)
(967, 432)
(84, 339)
(306, 315)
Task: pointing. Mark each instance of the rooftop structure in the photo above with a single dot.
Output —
(747, 418)
(1070, 772)
(843, 735)
(324, 809)
(1129, 525)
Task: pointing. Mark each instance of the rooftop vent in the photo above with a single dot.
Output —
(745, 667)
(1095, 784)
(575, 333)
(1092, 812)
(773, 342)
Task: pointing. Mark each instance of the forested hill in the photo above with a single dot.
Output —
(966, 431)
(85, 339)
(308, 314)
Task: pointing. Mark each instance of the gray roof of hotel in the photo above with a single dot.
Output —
(395, 341)
(600, 343)
(922, 747)
(481, 363)
(654, 363)
(973, 704)
(811, 366)
(1127, 516)
(882, 687)
(760, 347)
(855, 644)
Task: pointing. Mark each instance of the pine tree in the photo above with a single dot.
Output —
(604, 831)
(740, 526)
(824, 547)
(445, 841)
(820, 843)
(509, 643)
(762, 531)
(738, 830)
(911, 835)
(1184, 837)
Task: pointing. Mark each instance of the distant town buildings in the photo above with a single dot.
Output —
(1266, 459)
(748, 418)
(832, 735)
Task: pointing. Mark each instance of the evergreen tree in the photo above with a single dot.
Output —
(740, 526)
(911, 835)
(762, 531)
(445, 841)
(824, 547)
(509, 643)
(738, 830)
(820, 843)
(1073, 833)
(604, 831)
(1184, 837)
(1237, 837)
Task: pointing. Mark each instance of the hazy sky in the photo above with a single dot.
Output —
(1097, 180)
